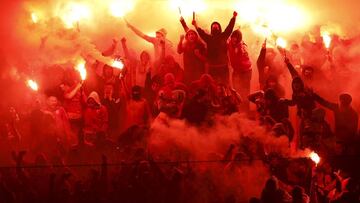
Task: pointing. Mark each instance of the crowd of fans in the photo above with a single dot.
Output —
(89, 139)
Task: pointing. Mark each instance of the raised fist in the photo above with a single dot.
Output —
(194, 23)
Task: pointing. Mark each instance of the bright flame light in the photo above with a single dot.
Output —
(281, 42)
(120, 8)
(34, 18)
(263, 31)
(187, 7)
(278, 15)
(33, 85)
(117, 64)
(326, 38)
(73, 13)
(81, 68)
(314, 157)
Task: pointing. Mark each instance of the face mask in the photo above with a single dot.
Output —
(215, 31)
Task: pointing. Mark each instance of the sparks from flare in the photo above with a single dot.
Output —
(314, 157)
(81, 68)
(33, 85)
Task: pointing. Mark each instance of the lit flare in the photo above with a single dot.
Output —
(33, 85)
(117, 64)
(80, 67)
(326, 39)
(280, 42)
(314, 157)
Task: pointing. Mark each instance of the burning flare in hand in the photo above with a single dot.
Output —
(314, 157)
(326, 39)
(33, 85)
(282, 43)
(117, 64)
(81, 68)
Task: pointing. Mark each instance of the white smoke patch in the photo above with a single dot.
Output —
(176, 140)
(201, 142)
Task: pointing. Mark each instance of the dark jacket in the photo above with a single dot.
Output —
(346, 120)
(217, 45)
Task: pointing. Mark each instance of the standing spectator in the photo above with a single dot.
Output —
(217, 56)
(139, 69)
(241, 66)
(156, 41)
(95, 117)
(346, 119)
(59, 115)
(138, 112)
(74, 100)
(114, 107)
(193, 51)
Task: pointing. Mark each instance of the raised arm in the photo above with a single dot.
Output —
(139, 33)
(180, 48)
(125, 48)
(183, 23)
(291, 68)
(261, 64)
(70, 94)
(230, 27)
(254, 96)
(323, 102)
(110, 51)
(203, 35)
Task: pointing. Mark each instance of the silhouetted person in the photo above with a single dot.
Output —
(346, 118)
(217, 56)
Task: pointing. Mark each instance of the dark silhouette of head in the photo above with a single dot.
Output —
(215, 28)
(345, 100)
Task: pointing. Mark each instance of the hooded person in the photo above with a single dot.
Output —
(240, 65)
(304, 98)
(194, 59)
(217, 56)
(272, 193)
(95, 116)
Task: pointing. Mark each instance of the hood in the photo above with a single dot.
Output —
(299, 81)
(237, 34)
(212, 32)
(191, 31)
(94, 95)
